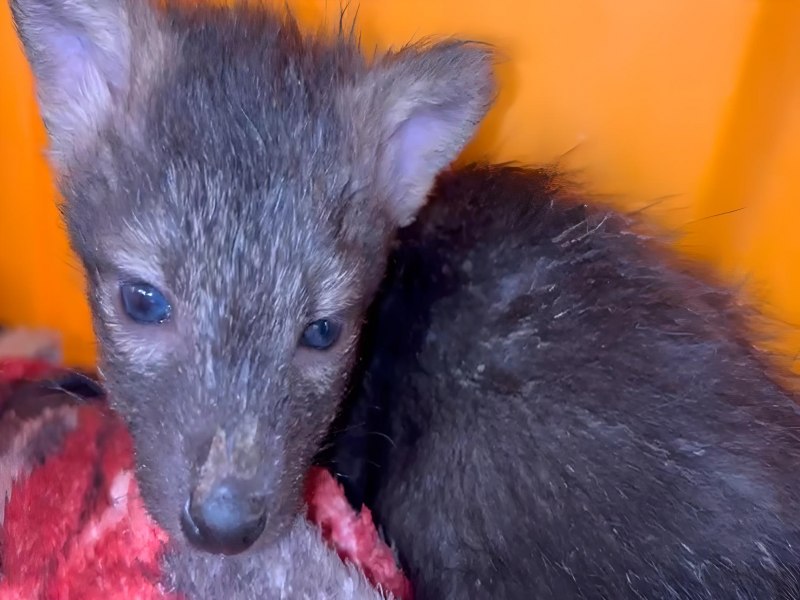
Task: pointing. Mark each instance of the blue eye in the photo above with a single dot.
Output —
(144, 303)
(321, 335)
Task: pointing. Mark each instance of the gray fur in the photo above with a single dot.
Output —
(240, 182)
(298, 567)
(563, 412)
(256, 175)
(569, 416)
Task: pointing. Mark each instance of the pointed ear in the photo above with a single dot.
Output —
(79, 51)
(430, 101)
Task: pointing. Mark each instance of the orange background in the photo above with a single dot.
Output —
(692, 106)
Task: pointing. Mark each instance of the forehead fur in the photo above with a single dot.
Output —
(245, 84)
(237, 97)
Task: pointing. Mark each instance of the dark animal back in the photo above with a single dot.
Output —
(558, 410)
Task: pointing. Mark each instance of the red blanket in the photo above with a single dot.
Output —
(74, 526)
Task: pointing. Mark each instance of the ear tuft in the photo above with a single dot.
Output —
(431, 100)
(79, 52)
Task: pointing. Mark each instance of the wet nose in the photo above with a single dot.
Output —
(226, 520)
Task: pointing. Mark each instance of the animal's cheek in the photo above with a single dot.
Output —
(162, 484)
(130, 349)
(323, 372)
(315, 390)
(313, 409)
(149, 407)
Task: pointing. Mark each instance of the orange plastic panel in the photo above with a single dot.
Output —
(692, 107)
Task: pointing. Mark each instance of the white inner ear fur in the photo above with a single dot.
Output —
(428, 103)
(81, 54)
(422, 144)
(80, 57)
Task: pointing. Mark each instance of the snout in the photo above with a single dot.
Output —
(228, 519)
(228, 506)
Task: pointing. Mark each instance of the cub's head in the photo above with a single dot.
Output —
(231, 187)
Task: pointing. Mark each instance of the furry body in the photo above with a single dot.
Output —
(567, 414)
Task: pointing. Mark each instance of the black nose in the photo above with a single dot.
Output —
(228, 519)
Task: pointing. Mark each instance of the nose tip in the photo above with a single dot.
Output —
(227, 520)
